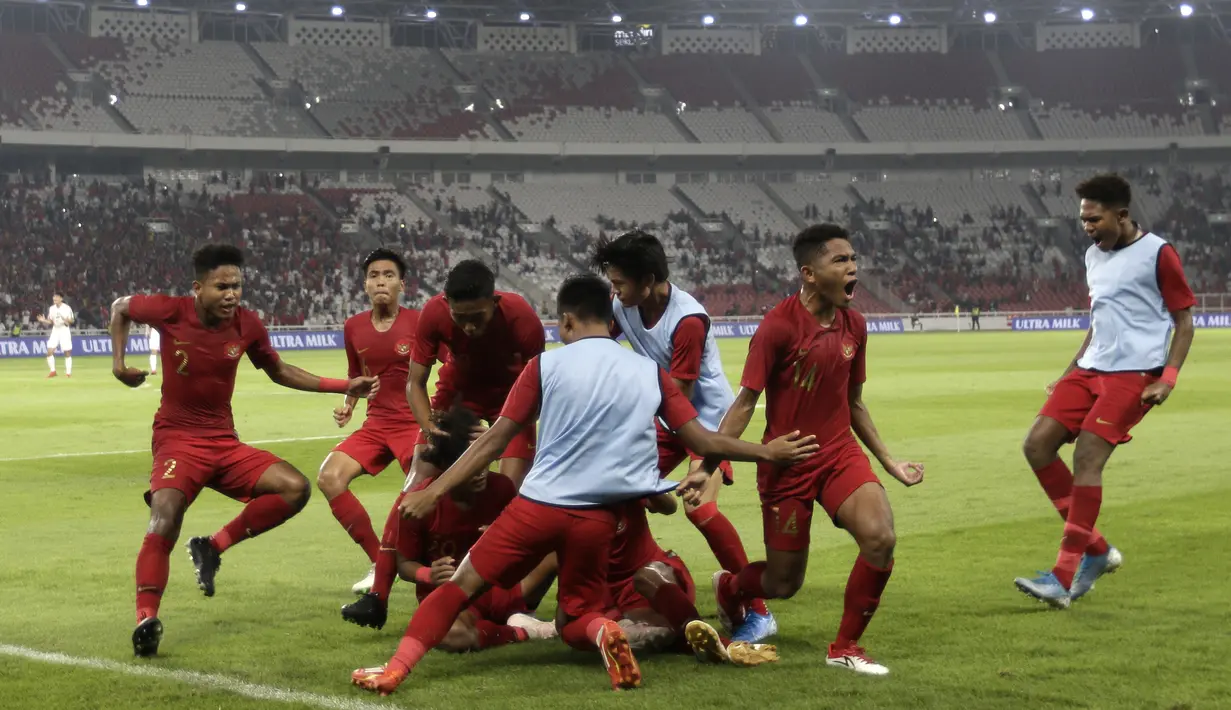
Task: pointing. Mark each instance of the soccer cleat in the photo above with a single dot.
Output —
(1092, 567)
(618, 657)
(146, 637)
(364, 585)
(756, 628)
(705, 642)
(51, 374)
(535, 628)
(752, 654)
(378, 680)
(731, 612)
(854, 658)
(368, 610)
(647, 637)
(1046, 588)
(206, 559)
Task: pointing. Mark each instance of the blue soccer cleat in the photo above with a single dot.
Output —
(1092, 567)
(756, 628)
(1046, 588)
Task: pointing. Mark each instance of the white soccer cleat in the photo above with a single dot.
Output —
(364, 585)
(854, 658)
(534, 627)
(646, 637)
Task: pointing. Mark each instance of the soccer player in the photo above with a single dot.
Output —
(597, 402)
(666, 324)
(155, 340)
(195, 444)
(428, 552)
(378, 343)
(60, 317)
(1138, 297)
(490, 336)
(808, 356)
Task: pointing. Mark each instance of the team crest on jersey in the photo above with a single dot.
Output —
(848, 351)
(402, 347)
(621, 526)
(233, 350)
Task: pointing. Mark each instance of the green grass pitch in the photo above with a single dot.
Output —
(951, 626)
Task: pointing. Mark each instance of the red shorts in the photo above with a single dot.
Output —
(522, 445)
(224, 463)
(376, 445)
(671, 453)
(526, 532)
(623, 597)
(1106, 404)
(495, 605)
(787, 496)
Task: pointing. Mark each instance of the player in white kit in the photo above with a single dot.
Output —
(666, 324)
(60, 317)
(155, 348)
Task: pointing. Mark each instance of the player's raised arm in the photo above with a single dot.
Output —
(264, 357)
(121, 323)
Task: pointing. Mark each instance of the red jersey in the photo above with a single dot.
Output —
(386, 355)
(451, 530)
(687, 345)
(199, 363)
(633, 546)
(481, 369)
(806, 371)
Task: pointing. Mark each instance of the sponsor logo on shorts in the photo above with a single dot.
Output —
(402, 347)
(233, 350)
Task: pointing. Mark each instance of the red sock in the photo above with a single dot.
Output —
(387, 557)
(863, 595)
(515, 602)
(746, 585)
(581, 632)
(260, 515)
(354, 519)
(153, 568)
(492, 634)
(724, 542)
(1057, 483)
(671, 601)
(1077, 530)
(429, 625)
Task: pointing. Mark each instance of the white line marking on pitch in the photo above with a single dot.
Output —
(203, 680)
(45, 457)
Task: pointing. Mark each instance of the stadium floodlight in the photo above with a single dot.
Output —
(113, 99)
(524, 17)
(430, 14)
(240, 7)
(617, 18)
(142, 3)
(801, 20)
(337, 10)
(1087, 14)
(707, 20)
(895, 19)
(989, 17)
(1186, 10)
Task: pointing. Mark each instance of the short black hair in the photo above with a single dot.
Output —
(211, 256)
(383, 254)
(810, 243)
(443, 450)
(1109, 189)
(636, 254)
(586, 296)
(470, 280)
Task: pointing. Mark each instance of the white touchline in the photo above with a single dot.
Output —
(203, 680)
(78, 454)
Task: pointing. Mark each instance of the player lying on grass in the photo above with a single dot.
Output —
(596, 403)
(427, 551)
(652, 596)
(666, 324)
(195, 444)
(1138, 295)
(808, 356)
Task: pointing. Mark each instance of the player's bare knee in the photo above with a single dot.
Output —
(781, 585)
(648, 579)
(461, 638)
(296, 491)
(876, 543)
(331, 481)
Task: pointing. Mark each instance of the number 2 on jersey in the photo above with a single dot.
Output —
(182, 368)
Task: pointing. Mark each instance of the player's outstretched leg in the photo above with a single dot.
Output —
(153, 567)
(336, 474)
(866, 515)
(372, 609)
(280, 492)
(594, 631)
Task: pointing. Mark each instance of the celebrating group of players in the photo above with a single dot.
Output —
(571, 503)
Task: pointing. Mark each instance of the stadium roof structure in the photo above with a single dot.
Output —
(765, 12)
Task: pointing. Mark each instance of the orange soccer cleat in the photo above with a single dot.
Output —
(618, 657)
(378, 680)
(51, 374)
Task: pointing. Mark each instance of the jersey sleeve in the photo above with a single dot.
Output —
(528, 334)
(429, 333)
(522, 405)
(687, 347)
(675, 409)
(153, 310)
(1171, 281)
(261, 352)
(353, 366)
(764, 352)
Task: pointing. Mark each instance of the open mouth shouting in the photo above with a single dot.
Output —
(849, 289)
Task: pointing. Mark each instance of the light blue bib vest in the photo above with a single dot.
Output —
(711, 395)
(597, 441)
(1130, 323)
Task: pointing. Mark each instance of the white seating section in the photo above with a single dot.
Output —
(938, 123)
(579, 205)
(1061, 122)
(725, 125)
(61, 113)
(805, 123)
(950, 201)
(742, 203)
(592, 125)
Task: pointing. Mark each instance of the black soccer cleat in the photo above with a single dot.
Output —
(368, 610)
(146, 637)
(207, 560)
